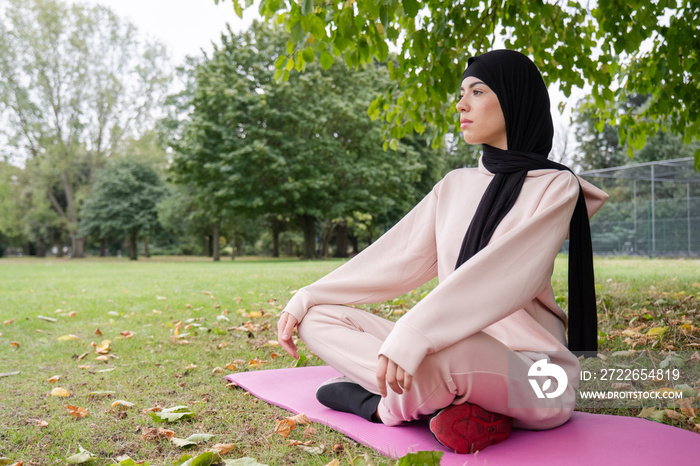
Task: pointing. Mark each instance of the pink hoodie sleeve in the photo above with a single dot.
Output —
(402, 259)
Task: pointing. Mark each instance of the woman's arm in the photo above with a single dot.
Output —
(399, 261)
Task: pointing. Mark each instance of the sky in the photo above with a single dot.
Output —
(185, 27)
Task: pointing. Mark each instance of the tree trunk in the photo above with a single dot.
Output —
(341, 240)
(233, 243)
(206, 250)
(216, 234)
(40, 249)
(354, 244)
(133, 246)
(59, 248)
(327, 233)
(77, 247)
(288, 248)
(308, 225)
(146, 251)
(103, 247)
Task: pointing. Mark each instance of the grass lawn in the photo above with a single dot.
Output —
(176, 327)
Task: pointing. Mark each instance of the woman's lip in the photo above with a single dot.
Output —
(464, 123)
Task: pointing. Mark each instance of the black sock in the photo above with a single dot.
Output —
(349, 397)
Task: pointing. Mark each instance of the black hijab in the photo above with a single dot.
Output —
(525, 104)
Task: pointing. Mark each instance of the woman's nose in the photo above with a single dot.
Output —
(462, 105)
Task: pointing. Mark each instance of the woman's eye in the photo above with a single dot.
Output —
(476, 92)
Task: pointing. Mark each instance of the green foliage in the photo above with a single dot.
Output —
(76, 81)
(617, 48)
(123, 201)
(300, 150)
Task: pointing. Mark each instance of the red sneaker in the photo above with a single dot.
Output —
(468, 428)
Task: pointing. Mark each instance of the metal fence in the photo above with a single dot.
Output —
(653, 209)
(671, 228)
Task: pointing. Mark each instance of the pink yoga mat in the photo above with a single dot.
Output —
(587, 439)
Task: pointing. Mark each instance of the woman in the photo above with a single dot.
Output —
(463, 354)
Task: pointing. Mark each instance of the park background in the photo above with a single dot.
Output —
(286, 139)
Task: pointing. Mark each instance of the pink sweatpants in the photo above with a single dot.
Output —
(479, 369)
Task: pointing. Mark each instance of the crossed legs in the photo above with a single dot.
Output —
(479, 369)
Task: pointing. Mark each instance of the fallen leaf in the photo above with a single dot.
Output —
(7, 374)
(176, 330)
(217, 370)
(223, 448)
(687, 408)
(76, 411)
(83, 456)
(102, 358)
(335, 462)
(300, 419)
(15, 344)
(84, 366)
(674, 415)
(296, 443)
(122, 405)
(105, 393)
(72, 314)
(54, 379)
(68, 337)
(127, 334)
(38, 423)
(173, 414)
(319, 450)
(47, 319)
(221, 345)
(102, 348)
(152, 409)
(98, 332)
(148, 433)
(657, 331)
(309, 431)
(284, 427)
(8, 322)
(59, 391)
(82, 356)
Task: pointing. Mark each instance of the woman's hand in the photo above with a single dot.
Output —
(285, 328)
(388, 372)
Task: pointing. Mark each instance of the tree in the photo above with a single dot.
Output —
(616, 47)
(75, 82)
(123, 203)
(295, 152)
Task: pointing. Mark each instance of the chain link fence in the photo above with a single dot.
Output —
(653, 209)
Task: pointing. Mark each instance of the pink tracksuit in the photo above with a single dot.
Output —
(474, 337)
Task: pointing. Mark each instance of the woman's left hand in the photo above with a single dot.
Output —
(390, 373)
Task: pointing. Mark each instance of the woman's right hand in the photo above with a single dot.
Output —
(285, 329)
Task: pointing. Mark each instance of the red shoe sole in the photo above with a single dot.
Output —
(468, 428)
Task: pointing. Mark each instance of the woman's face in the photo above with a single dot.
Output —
(480, 115)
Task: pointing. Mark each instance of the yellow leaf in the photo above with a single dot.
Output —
(15, 344)
(102, 358)
(54, 379)
(255, 314)
(224, 448)
(335, 462)
(176, 330)
(76, 411)
(68, 337)
(84, 366)
(657, 331)
(217, 370)
(284, 427)
(72, 314)
(102, 348)
(59, 391)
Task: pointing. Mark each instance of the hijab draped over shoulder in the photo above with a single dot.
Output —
(524, 101)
